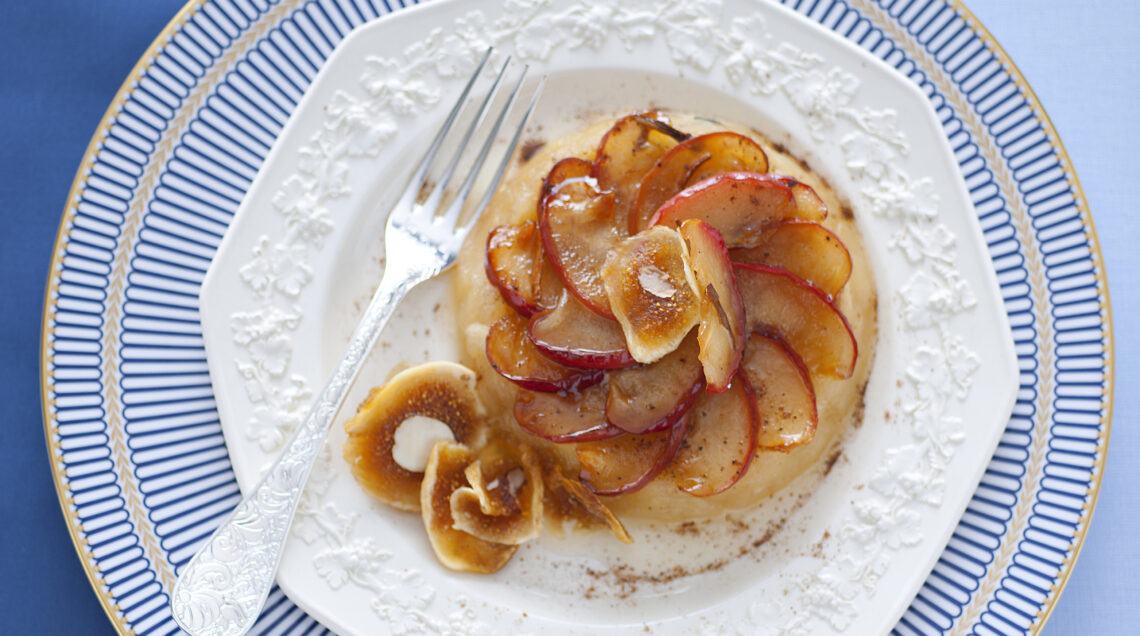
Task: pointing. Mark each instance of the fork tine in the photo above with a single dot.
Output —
(452, 213)
(433, 199)
(507, 156)
(417, 180)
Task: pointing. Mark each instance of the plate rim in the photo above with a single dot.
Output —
(53, 447)
(356, 43)
(976, 26)
(1101, 276)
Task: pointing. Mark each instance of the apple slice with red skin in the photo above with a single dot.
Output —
(689, 162)
(573, 335)
(576, 222)
(721, 441)
(514, 265)
(630, 149)
(785, 398)
(738, 204)
(569, 416)
(804, 248)
(653, 397)
(650, 293)
(550, 286)
(720, 332)
(779, 303)
(511, 353)
(807, 201)
(628, 462)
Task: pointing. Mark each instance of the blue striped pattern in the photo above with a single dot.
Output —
(1072, 310)
(172, 433)
(176, 449)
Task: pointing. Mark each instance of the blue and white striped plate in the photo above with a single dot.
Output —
(136, 448)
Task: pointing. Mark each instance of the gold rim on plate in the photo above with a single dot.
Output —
(223, 61)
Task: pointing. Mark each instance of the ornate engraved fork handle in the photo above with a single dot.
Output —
(224, 586)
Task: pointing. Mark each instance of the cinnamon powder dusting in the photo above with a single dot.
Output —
(529, 148)
(623, 581)
(830, 462)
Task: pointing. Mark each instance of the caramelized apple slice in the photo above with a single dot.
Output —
(393, 429)
(808, 203)
(575, 336)
(785, 399)
(576, 222)
(691, 161)
(778, 303)
(804, 248)
(511, 353)
(514, 252)
(737, 204)
(576, 416)
(455, 548)
(628, 151)
(503, 504)
(550, 285)
(721, 441)
(628, 462)
(649, 292)
(721, 328)
(653, 397)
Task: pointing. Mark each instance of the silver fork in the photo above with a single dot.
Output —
(222, 589)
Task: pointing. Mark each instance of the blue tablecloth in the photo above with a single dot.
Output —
(61, 63)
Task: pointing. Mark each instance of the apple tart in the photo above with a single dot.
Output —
(669, 324)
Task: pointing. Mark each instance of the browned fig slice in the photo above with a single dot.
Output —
(391, 434)
(576, 222)
(721, 441)
(737, 204)
(455, 548)
(691, 161)
(628, 151)
(576, 416)
(781, 304)
(653, 397)
(503, 503)
(514, 261)
(804, 248)
(721, 331)
(785, 399)
(649, 292)
(568, 504)
(511, 353)
(577, 337)
(628, 462)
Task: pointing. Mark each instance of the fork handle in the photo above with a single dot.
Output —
(221, 590)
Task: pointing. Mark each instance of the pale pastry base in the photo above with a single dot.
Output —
(839, 401)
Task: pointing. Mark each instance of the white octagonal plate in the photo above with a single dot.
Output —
(305, 250)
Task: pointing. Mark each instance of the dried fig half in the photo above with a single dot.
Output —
(503, 503)
(455, 549)
(392, 432)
